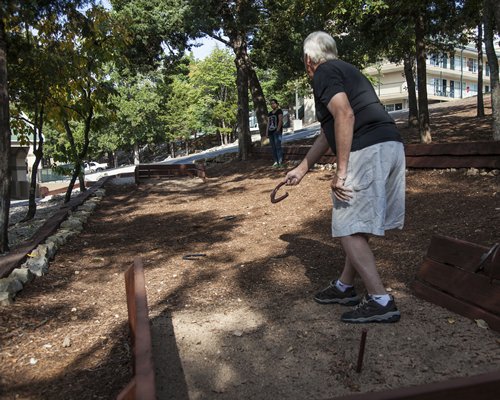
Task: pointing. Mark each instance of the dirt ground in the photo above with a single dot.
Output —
(239, 322)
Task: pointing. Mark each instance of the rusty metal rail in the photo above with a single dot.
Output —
(142, 385)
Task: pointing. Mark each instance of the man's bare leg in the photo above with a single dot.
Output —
(360, 259)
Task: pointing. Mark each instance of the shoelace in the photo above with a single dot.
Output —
(363, 302)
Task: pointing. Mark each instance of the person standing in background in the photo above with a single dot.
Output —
(275, 131)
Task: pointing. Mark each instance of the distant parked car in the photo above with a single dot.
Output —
(94, 166)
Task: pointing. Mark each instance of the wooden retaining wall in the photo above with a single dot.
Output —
(438, 155)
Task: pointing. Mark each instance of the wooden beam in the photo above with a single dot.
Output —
(473, 288)
(458, 306)
(479, 387)
(143, 384)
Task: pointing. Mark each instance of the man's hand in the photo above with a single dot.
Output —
(339, 189)
(294, 176)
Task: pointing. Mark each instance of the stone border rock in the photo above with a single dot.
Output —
(37, 256)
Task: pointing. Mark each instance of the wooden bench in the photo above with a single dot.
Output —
(162, 171)
(142, 385)
(463, 277)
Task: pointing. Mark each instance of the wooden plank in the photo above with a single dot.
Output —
(479, 387)
(458, 149)
(463, 254)
(436, 155)
(140, 332)
(454, 161)
(475, 289)
(128, 393)
(458, 306)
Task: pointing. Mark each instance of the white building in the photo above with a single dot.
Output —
(450, 76)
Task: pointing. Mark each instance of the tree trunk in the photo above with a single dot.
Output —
(243, 127)
(38, 152)
(4, 142)
(480, 101)
(136, 154)
(259, 101)
(423, 107)
(491, 8)
(412, 95)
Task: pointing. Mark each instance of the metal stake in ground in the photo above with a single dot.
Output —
(361, 350)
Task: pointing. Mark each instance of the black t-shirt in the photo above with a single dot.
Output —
(372, 123)
(273, 120)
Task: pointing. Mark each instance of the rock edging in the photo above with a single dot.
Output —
(37, 260)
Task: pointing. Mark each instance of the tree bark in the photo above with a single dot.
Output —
(4, 142)
(136, 153)
(423, 107)
(412, 95)
(242, 128)
(489, 24)
(38, 151)
(492, 11)
(259, 101)
(480, 101)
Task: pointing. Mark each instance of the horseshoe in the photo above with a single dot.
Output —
(273, 194)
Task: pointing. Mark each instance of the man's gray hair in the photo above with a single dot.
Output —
(320, 47)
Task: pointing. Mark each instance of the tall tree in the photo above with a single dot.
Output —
(4, 139)
(89, 41)
(234, 23)
(15, 14)
(491, 17)
(214, 77)
(31, 76)
(140, 111)
(479, 46)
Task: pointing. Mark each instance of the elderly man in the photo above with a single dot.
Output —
(368, 188)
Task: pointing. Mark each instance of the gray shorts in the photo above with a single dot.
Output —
(376, 174)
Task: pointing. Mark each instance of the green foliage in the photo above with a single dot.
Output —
(157, 29)
(139, 112)
(215, 79)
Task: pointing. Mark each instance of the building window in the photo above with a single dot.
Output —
(452, 62)
(471, 65)
(486, 89)
(473, 89)
(389, 107)
(487, 69)
(434, 60)
(444, 61)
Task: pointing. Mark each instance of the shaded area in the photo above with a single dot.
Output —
(240, 323)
